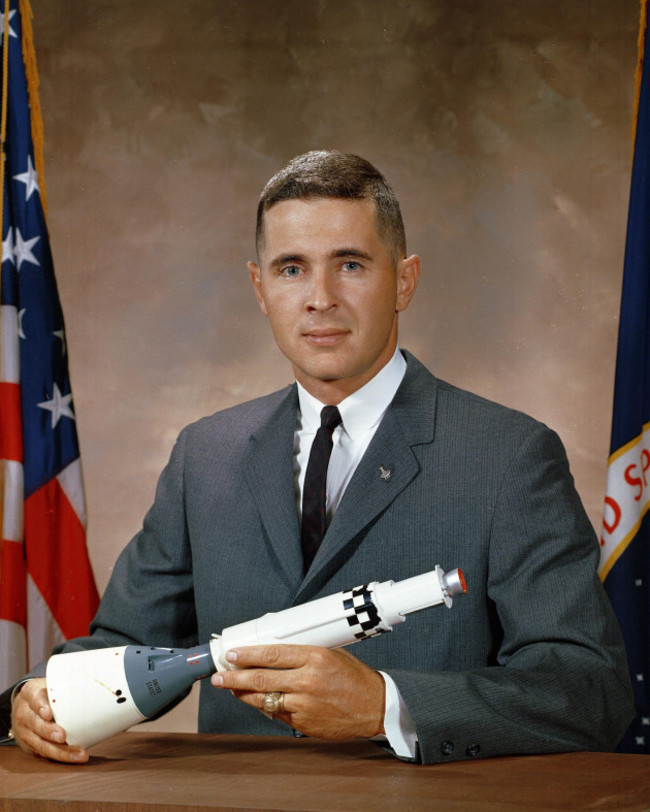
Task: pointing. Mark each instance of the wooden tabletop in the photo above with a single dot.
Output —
(174, 772)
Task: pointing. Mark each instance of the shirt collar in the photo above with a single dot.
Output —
(364, 408)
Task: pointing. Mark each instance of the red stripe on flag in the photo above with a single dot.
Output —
(13, 583)
(11, 424)
(58, 560)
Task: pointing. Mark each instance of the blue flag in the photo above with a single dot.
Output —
(625, 542)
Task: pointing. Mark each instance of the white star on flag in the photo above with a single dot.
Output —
(59, 406)
(29, 178)
(8, 248)
(12, 33)
(23, 249)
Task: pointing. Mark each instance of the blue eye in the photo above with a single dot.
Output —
(352, 265)
(291, 270)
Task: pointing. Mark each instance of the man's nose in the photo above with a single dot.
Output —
(322, 291)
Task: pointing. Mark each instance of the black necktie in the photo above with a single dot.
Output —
(314, 494)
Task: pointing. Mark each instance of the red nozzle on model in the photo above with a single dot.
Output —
(454, 583)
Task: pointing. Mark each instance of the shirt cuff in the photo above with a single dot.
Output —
(399, 726)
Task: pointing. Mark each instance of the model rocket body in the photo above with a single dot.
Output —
(96, 694)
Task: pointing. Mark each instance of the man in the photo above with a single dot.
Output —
(421, 473)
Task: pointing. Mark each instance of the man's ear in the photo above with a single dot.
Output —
(256, 279)
(408, 273)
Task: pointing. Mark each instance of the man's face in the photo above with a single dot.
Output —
(331, 293)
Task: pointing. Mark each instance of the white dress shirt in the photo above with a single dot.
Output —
(361, 414)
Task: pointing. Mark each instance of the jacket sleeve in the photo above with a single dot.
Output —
(560, 679)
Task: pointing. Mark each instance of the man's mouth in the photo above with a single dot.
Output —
(325, 336)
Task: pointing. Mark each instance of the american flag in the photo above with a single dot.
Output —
(47, 589)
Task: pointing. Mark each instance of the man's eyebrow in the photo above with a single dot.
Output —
(350, 252)
(284, 258)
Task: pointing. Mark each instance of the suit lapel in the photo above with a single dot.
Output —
(269, 473)
(388, 466)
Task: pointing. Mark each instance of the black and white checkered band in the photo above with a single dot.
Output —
(361, 613)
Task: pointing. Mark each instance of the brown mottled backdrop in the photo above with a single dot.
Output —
(504, 126)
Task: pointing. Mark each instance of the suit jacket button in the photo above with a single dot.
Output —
(473, 750)
(447, 748)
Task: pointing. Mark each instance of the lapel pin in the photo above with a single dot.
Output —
(384, 473)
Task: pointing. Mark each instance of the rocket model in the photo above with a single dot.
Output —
(96, 694)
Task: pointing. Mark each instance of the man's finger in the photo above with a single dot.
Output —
(47, 740)
(62, 753)
(272, 656)
(253, 680)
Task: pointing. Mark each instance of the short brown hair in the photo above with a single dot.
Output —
(328, 173)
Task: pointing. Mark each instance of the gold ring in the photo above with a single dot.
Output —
(273, 702)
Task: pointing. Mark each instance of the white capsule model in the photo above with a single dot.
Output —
(98, 693)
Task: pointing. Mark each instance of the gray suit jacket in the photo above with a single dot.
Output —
(531, 661)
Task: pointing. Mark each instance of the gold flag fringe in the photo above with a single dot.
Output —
(643, 22)
(31, 73)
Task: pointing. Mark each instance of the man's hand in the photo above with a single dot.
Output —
(327, 693)
(34, 728)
